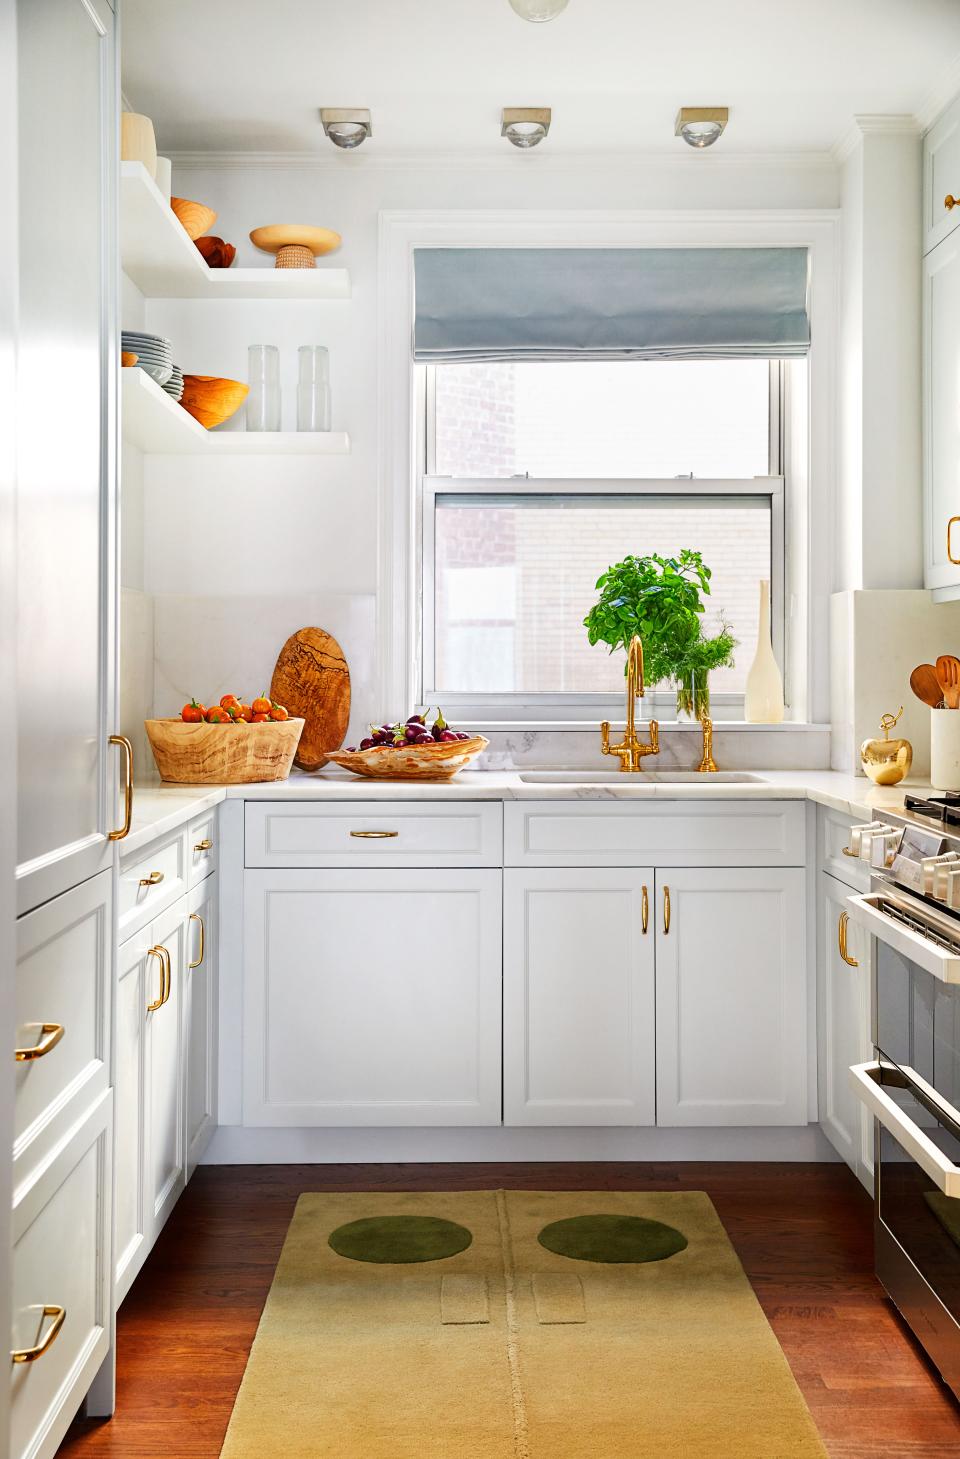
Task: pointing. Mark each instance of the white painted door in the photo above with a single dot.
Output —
(578, 997)
(65, 467)
(731, 996)
(843, 1028)
(941, 413)
(372, 997)
(199, 1021)
(164, 1070)
(941, 178)
(140, 980)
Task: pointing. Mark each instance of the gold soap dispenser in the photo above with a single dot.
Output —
(887, 761)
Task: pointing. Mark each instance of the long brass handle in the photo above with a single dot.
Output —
(842, 926)
(644, 910)
(950, 202)
(153, 880)
(30, 1355)
(50, 1036)
(666, 911)
(205, 845)
(168, 970)
(847, 852)
(160, 954)
(374, 835)
(950, 557)
(195, 917)
(127, 748)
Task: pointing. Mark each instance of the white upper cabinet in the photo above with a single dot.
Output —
(941, 177)
(66, 371)
(941, 414)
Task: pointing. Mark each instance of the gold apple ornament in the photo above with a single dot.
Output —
(887, 761)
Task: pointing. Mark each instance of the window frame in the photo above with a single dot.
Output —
(545, 709)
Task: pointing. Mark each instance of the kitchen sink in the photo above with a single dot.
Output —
(644, 777)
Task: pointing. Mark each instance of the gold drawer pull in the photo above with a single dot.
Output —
(30, 1355)
(153, 880)
(166, 978)
(204, 845)
(950, 526)
(847, 852)
(50, 1036)
(195, 917)
(644, 910)
(127, 748)
(666, 911)
(374, 835)
(950, 202)
(842, 925)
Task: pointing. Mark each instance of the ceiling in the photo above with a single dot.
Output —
(249, 75)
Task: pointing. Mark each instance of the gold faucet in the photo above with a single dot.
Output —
(631, 750)
(707, 763)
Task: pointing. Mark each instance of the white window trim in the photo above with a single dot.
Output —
(810, 452)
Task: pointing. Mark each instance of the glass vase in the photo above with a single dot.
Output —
(263, 376)
(313, 389)
(693, 695)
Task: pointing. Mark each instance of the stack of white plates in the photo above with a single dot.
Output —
(174, 385)
(154, 353)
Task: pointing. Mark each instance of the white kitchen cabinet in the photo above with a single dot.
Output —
(941, 177)
(731, 996)
(843, 1028)
(137, 970)
(941, 415)
(578, 997)
(66, 478)
(372, 997)
(200, 1022)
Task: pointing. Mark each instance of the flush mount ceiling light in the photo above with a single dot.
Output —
(346, 126)
(538, 10)
(525, 126)
(700, 126)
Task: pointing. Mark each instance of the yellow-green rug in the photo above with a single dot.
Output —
(508, 1349)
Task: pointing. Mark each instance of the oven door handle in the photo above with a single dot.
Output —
(931, 1159)
(864, 911)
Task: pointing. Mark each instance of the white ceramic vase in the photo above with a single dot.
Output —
(763, 703)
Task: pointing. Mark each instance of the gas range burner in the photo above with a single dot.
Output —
(943, 808)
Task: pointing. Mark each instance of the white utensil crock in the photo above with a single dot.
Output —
(945, 749)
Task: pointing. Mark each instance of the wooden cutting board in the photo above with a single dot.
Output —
(312, 679)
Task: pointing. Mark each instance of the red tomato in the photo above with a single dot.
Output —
(192, 713)
(278, 712)
(260, 719)
(216, 715)
(227, 700)
(246, 711)
(262, 705)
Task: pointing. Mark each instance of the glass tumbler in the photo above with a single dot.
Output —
(313, 390)
(263, 402)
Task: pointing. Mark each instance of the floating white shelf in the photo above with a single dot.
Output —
(155, 422)
(157, 255)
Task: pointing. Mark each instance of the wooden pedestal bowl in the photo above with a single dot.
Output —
(295, 245)
(414, 762)
(223, 754)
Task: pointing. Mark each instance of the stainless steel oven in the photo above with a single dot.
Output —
(912, 1088)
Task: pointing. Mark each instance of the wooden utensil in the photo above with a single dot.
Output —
(926, 685)
(312, 679)
(195, 218)
(948, 675)
(211, 399)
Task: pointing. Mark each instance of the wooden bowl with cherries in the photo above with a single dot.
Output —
(411, 750)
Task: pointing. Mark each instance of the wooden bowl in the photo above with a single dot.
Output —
(212, 400)
(418, 762)
(223, 754)
(215, 253)
(295, 244)
(138, 142)
(195, 217)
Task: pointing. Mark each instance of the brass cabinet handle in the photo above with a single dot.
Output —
(195, 917)
(204, 845)
(950, 557)
(30, 1355)
(153, 880)
(164, 959)
(127, 748)
(374, 835)
(847, 852)
(644, 910)
(50, 1036)
(950, 202)
(842, 925)
(666, 911)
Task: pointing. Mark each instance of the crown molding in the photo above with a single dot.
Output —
(943, 91)
(507, 160)
(903, 124)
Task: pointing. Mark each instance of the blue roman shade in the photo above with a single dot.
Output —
(610, 303)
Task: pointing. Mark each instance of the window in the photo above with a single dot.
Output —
(539, 475)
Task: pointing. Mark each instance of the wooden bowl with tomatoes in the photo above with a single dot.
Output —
(230, 743)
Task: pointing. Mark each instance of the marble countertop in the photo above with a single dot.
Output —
(159, 808)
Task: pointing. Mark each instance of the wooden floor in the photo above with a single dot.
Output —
(803, 1233)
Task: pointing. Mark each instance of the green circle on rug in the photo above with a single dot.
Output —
(612, 1239)
(400, 1239)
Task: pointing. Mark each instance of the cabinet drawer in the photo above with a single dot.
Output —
(681, 833)
(63, 985)
(373, 834)
(61, 1260)
(200, 849)
(151, 882)
(833, 834)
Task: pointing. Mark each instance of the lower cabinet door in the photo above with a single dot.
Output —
(140, 979)
(199, 1021)
(732, 1004)
(62, 1292)
(843, 1023)
(372, 997)
(578, 997)
(164, 1071)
